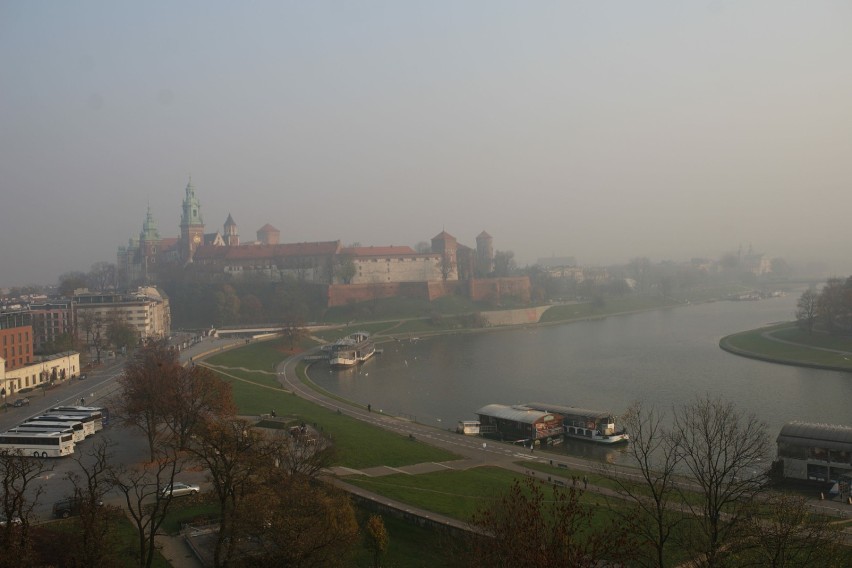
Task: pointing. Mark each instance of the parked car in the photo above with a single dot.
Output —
(177, 489)
(21, 402)
(15, 521)
(67, 507)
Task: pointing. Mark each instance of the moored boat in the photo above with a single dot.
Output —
(584, 424)
(538, 422)
(351, 350)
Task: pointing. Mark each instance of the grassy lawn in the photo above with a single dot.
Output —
(359, 444)
(123, 537)
(755, 343)
(456, 494)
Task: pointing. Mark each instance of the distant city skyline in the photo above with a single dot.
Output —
(602, 131)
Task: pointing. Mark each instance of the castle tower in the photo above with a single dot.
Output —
(191, 224)
(268, 235)
(232, 239)
(484, 255)
(149, 242)
(446, 245)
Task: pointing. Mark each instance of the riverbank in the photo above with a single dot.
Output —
(786, 344)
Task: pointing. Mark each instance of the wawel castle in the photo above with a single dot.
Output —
(350, 273)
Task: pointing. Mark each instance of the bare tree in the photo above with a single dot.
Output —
(302, 523)
(831, 304)
(446, 265)
(724, 450)
(806, 310)
(530, 525)
(305, 453)
(146, 382)
(19, 495)
(193, 395)
(93, 481)
(504, 263)
(653, 450)
(235, 455)
(70, 281)
(786, 534)
(101, 276)
(141, 486)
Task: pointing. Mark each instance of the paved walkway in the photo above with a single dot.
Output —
(473, 452)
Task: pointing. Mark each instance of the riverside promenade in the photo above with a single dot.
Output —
(472, 452)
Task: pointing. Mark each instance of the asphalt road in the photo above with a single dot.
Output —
(127, 446)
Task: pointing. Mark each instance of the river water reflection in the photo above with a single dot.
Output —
(663, 357)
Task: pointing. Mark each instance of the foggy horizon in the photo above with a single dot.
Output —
(600, 131)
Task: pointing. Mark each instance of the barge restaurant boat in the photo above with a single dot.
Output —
(585, 424)
(519, 422)
(351, 350)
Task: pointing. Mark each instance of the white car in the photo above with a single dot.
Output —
(178, 489)
(16, 521)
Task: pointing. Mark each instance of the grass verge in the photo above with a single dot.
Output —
(786, 344)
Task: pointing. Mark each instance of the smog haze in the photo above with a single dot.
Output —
(598, 130)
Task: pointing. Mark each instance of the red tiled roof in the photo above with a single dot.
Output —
(168, 244)
(378, 251)
(249, 252)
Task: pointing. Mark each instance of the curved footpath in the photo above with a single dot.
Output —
(725, 345)
(474, 452)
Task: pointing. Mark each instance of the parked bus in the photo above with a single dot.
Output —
(87, 421)
(76, 428)
(37, 444)
(101, 414)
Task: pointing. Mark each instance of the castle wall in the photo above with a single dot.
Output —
(344, 294)
(493, 289)
(420, 268)
(478, 290)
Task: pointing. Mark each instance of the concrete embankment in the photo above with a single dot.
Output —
(523, 316)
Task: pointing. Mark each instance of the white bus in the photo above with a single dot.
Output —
(37, 444)
(102, 409)
(76, 428)
(87, 421)
(94, 414)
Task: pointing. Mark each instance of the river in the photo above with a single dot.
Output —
(663, 357)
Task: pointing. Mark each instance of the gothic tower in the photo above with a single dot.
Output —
(149, 242)
(484, 255)
(446, 245)
(232, 239)
(191, 224)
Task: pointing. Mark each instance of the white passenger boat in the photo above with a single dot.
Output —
(351, 350)
(584, 424)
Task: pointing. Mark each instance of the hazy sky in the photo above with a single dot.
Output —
(600, 129)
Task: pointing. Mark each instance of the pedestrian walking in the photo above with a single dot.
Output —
(585, 482)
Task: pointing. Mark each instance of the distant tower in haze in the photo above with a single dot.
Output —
(268, 235)
(484, 255)
(191, 224)
(149, 241)
(232, 239)
(446, 245)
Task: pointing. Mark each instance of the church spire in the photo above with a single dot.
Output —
(191, 224)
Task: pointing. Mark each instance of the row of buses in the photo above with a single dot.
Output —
(54, 433)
